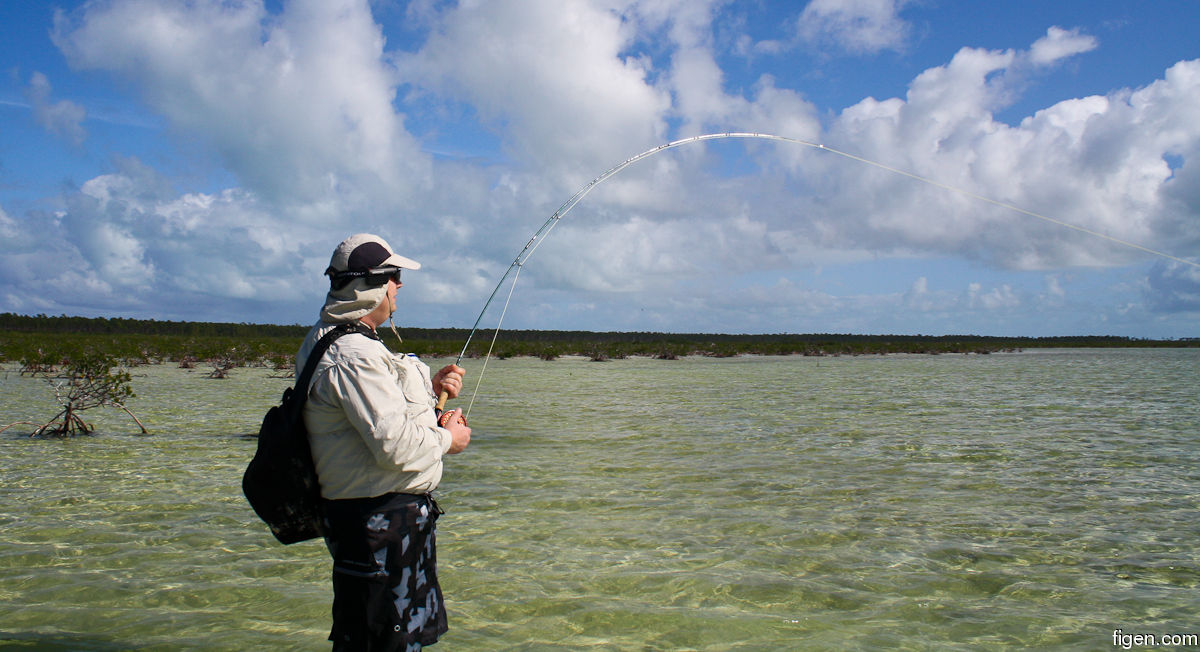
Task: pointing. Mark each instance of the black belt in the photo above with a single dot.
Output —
(383, 503)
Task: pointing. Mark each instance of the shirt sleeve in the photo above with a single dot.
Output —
(375, 405)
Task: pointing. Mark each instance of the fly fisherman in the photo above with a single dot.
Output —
(378, 448)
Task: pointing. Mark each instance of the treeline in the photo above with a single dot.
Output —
(123, 326)
(49, 341)
(673, 345)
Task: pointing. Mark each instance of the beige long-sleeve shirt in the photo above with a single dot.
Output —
(370, 419)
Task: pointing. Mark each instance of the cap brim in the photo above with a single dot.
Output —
(397, 260)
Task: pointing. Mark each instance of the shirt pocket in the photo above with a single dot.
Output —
(415, 385)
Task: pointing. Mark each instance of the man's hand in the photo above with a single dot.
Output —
(460, 433)
(448, 379)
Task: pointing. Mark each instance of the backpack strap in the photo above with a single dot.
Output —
(300, 394)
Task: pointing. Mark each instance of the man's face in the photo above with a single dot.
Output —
(393, 286)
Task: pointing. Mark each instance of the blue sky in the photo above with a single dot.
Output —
(199, 161)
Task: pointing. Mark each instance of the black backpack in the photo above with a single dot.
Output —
(281, 482)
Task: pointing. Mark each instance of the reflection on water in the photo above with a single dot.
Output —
(1035, 499)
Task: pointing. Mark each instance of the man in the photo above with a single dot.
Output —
(378, 449)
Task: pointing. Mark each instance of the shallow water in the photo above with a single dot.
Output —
(1041, 499)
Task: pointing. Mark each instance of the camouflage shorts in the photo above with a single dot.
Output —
(385, 588)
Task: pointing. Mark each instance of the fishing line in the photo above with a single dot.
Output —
(492, 345)
(540, 235)
(1010, 207)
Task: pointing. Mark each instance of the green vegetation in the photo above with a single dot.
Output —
(87, 382)
(43, 344)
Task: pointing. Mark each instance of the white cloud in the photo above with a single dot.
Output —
(697, 83)
(1174, 287)
(135, 245)
(1054, 288)
(1096, 162)
(998, 298)
(298, 105)
(918, 296)
(856, 26)
(8, 227)
(301, 107)
(1059, 43)
(62, 118)
(550, 76)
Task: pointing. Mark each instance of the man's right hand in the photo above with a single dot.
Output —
(460, 433)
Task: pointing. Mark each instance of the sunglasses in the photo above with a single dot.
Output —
(375, 277)
(380, 276)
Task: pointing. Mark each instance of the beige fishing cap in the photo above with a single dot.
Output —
(363, 251)
(360, 252)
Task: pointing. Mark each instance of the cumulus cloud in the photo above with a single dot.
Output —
(127, 240)
(1070, 162)
(311, 112)
(552, 77)
(856, 26)
(1054, 292)
(974, 297)
(997, 298)
(1174, 287)
(62, 118)
(299, 107)
(918, 296)
(299, 104)
(703, 104)
(1063, 162)
(1095, 162)
(1059, 43)
(8, 227)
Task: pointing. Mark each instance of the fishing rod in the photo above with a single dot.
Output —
(539, 236)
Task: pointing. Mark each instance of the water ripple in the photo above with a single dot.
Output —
(1032, 500)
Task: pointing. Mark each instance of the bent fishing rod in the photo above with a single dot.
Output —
(539, 236)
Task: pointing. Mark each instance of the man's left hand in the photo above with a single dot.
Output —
(449, 379)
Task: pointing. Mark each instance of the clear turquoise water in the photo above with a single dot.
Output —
(1033, 500)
